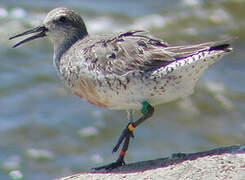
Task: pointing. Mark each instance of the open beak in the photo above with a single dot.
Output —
(41, 30)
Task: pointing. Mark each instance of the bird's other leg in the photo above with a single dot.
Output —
(147, 111)
(130, 115)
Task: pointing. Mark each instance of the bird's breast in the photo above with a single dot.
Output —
(85, 89)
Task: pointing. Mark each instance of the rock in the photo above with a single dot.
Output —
(221, 163)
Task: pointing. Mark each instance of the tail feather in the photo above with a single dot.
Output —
(184, 51)
(225, 47)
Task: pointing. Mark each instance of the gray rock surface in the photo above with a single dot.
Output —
(221, 163)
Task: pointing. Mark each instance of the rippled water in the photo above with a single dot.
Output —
(46, 132)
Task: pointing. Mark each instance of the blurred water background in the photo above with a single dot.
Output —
(46, 132)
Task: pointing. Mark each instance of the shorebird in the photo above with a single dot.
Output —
(124, 71)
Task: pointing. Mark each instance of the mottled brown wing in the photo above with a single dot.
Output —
(131, 52)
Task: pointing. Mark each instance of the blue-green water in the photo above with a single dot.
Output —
(46, 132)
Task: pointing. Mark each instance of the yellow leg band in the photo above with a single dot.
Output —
(131, 127)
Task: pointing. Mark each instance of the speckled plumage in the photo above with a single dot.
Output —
(126, 70)
(121, 71)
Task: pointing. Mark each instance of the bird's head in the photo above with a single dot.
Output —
(60, 25)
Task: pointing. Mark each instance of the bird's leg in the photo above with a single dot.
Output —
(147, 111)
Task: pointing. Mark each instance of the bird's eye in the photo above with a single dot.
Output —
(63, 19)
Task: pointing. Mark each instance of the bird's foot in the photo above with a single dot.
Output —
(178, 155)
(111, 166)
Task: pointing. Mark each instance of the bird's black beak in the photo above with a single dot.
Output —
(41, 30)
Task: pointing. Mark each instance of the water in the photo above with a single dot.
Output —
(46, 132)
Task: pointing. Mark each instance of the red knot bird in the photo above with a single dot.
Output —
(124, 71)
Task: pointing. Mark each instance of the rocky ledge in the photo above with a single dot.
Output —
(221, 163)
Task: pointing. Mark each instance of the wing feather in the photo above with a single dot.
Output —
(133, 51)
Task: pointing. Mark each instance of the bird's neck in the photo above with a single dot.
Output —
(61, 47)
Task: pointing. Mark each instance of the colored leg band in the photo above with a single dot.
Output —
(144, 109)
(122, 153)
(131, 127)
